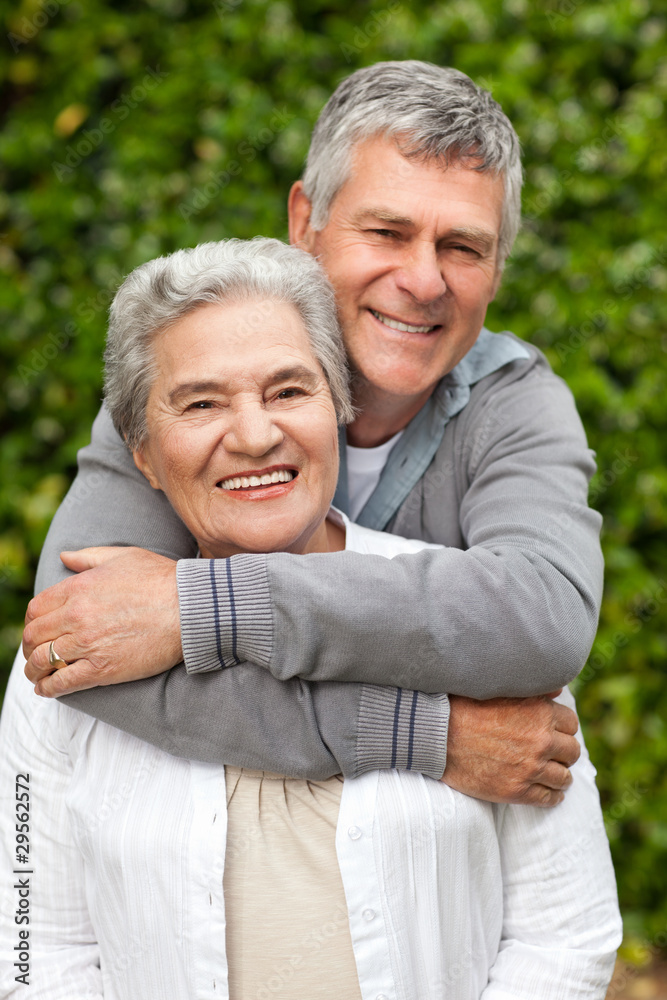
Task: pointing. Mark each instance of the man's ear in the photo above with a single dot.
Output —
(497, 278)
(144, 466)
(299, 209)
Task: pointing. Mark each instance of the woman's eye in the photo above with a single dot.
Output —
(289, 393)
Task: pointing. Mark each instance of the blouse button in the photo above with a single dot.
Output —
(354, 833)
(368, 914)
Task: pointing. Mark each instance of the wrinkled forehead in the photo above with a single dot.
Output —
(413, 149)
(237, 339)
(420, 190)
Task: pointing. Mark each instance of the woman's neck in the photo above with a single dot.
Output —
(335, 536)
(329, 537)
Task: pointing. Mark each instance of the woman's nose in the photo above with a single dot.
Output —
(252, 431)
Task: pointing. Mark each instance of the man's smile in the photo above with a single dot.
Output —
(402, 326)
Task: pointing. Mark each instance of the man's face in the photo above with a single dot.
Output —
(407, 244)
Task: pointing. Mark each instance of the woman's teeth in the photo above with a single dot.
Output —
(243, 482)
(404, 327)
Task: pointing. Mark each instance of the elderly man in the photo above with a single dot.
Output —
(411, 201)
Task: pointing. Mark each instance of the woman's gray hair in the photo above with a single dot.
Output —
(160, 292)
(433, 113)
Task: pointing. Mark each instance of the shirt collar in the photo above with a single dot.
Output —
(413, 454)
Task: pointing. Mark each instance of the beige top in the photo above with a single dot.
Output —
(288, 933)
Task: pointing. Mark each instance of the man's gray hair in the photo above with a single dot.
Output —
(160, 292)
(433, 113)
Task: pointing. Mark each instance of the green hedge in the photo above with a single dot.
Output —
(136, 129)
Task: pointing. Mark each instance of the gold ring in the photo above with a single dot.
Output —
(55, 660)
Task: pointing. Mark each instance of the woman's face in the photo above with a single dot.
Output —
(240, 398)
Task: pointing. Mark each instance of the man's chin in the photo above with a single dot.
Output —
(397, 381)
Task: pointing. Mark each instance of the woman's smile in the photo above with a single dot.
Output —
(242, 430)
(259, 483)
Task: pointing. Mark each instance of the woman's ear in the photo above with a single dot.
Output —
(298, 214)
(144, 466)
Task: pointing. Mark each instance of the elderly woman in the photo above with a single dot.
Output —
(155, 877)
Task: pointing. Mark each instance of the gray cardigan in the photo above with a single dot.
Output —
(495, 467)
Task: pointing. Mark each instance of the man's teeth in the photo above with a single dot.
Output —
(404, 327)
(243, 482)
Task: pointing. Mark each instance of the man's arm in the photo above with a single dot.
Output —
(250, 720)
(108, 484)
(512, 611)
(247, 718)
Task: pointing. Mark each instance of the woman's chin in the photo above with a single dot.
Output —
(263, 538)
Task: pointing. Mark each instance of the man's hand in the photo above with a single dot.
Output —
(511, 749)
(117, 620)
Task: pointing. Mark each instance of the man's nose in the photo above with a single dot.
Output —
(252, 431)
(421, 273)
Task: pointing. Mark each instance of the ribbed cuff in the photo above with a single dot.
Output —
(225, 610)
(403, 729)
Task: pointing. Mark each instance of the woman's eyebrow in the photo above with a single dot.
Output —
(296, 373)
(291, 373)
(194, 388)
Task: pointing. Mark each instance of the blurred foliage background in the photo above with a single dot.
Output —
(132, 129)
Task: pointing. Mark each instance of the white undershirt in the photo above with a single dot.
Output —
(364, 468)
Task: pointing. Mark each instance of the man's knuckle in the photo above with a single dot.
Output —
(57, 684)
(85, 638)
(544, 745)
(548, 712)
(517, 788)
(540, 796)
(79, 618)
(40, 657)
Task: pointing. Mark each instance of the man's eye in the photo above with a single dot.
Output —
(468, 250)
(200, 404)
(383, 232)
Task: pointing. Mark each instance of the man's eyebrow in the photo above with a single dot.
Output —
(382, 215)
(483, 237)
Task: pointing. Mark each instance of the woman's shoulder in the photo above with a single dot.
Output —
(38, 730)
(367, 541)
(382, 543)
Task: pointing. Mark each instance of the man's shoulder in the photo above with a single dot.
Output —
(521, 400)
(521, 373)
(522, 357)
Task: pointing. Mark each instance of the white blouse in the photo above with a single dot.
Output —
(447, 896)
